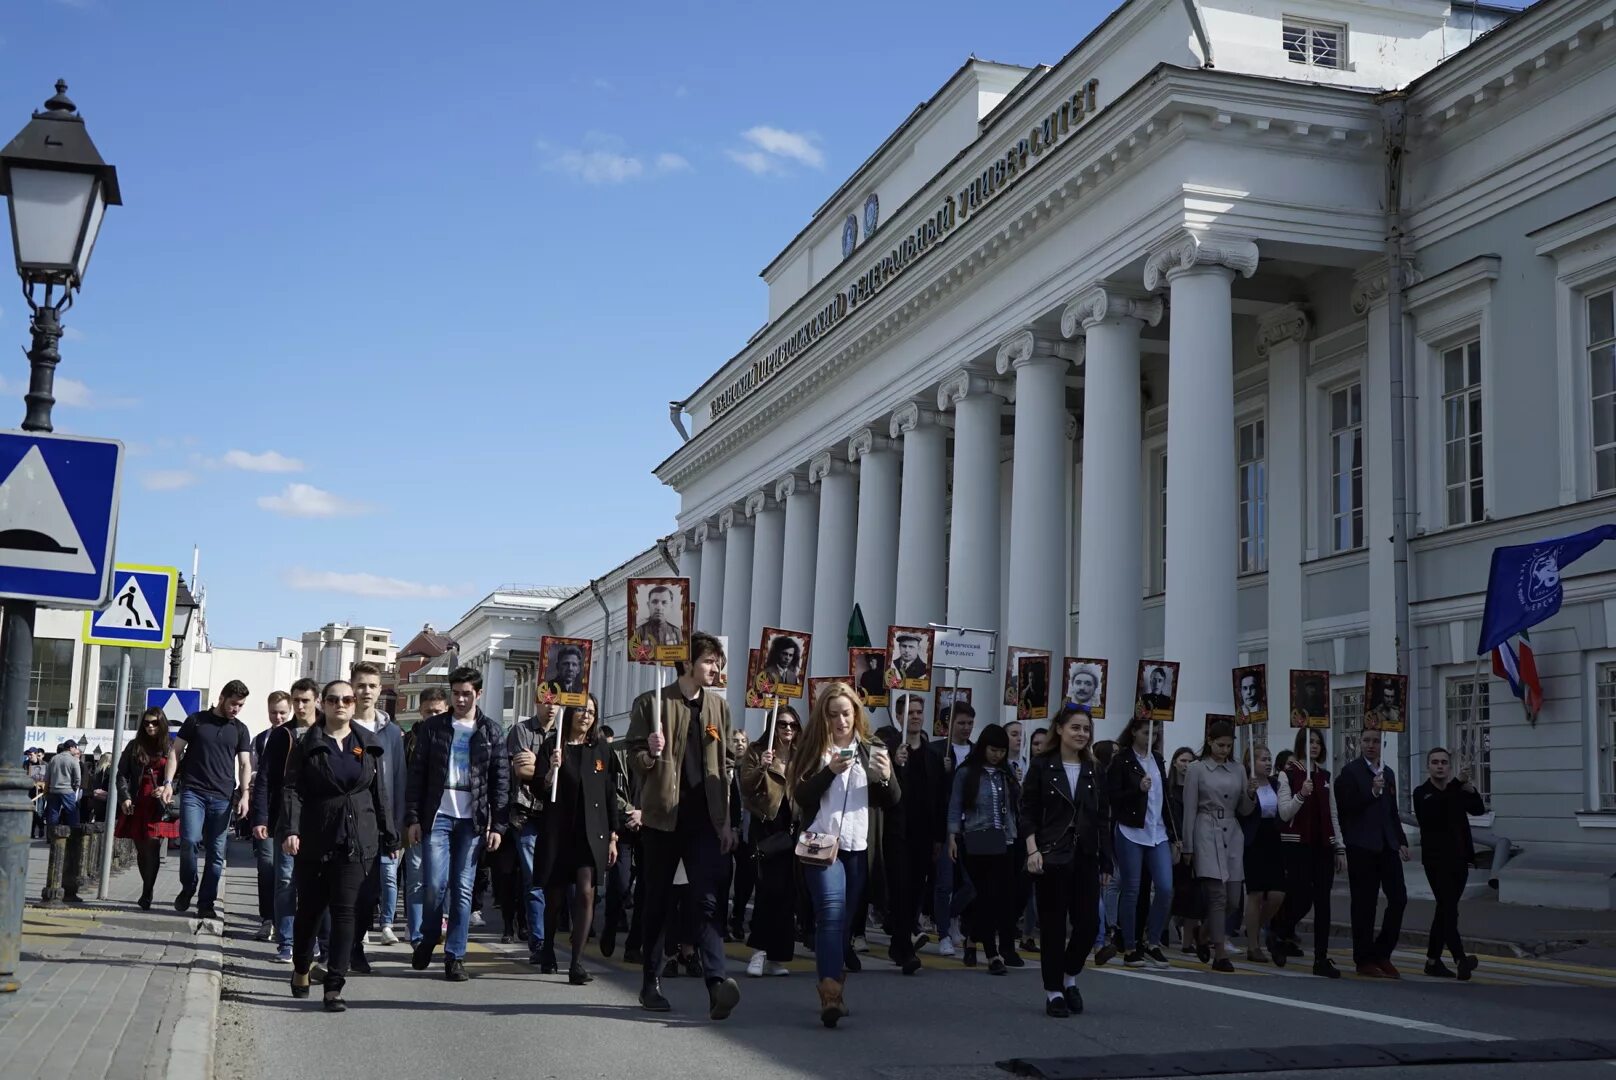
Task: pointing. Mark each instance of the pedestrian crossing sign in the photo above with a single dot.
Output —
(141, 614)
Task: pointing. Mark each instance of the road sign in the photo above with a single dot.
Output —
(142, 609)
(58, 517)
(176, 704)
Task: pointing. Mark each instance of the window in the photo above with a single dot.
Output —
(1602, 377)
(1158, 475)
(1313, 44)
(1346, 467)
(1470, 730)
(147, 668)
(1253, 469)
(50, 687)
(1605, 717)
(1346, 724)
(1461, 432)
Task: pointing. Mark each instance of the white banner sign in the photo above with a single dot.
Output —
(966, 650)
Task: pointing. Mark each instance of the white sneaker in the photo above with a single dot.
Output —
(754, 966)
(477, 918)
(774, 967)
(266, 930)
(370, 938)
(1230, 949)
(860, 944)
(388, 937)
(945, 947)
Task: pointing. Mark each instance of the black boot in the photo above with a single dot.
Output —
(651, 999)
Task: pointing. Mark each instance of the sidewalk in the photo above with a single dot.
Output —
(109, 990)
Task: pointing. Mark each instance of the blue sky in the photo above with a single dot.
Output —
(392, 278)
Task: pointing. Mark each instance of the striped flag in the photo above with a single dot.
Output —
(1519, 669)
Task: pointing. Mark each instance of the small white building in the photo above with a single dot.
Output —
(329, 652)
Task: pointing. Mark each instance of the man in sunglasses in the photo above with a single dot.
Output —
(213, 759)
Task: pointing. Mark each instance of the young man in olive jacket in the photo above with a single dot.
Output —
(683, 765)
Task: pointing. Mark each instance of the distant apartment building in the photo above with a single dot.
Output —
(330, 651)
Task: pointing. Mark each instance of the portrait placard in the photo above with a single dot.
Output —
(1086, 682)
(1310, 698)
(1385, 702)
(1251, 694)
(759, 694)
(565, 675)
(722, 683)
(659, 620)
(1157, 688)
(909, 658)
(1213, 718)
(785, 660)
(1012, 685)
(867, 670)
(1032, 687)
(818, 685)
(942, 710)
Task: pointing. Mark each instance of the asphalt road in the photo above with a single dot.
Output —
(948, 1023)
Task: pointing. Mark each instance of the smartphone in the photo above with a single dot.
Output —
(845, 752)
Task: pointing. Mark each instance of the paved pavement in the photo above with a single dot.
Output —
(109, 990)
(948, 1023)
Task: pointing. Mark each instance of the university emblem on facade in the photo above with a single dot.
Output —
(849, 235)
(872, 214)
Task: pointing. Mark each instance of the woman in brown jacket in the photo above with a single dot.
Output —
(763, 792)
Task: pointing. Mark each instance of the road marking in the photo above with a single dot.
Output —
(1333, 1010)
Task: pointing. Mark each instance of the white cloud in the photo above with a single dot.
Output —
(604, 159)
(72, 333)
(372, 585)
(755, 162)
(76, 394)
(167, 479)
(672, 163)
(270, 461)
(790, 145)
(308, 501)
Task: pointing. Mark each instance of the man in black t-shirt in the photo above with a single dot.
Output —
(213, 759)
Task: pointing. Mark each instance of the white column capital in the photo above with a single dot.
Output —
(703, 531)
(824, 464)
(966, 383)
(1283, 326)
(676, 545)
(1107, 303)
(1192, 250)
(866, 441)
(727, 518)
(1024, 347)
(1369, 286)
(788, 485)
(911, 416)
(757, 503)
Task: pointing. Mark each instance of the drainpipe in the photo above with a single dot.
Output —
(667, 557)
(606, 641)
(1198, 24)
(1394, 120)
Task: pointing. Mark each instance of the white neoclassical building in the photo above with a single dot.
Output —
(1240, 334)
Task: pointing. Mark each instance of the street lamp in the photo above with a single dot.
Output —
(185, 606)
(58, 188)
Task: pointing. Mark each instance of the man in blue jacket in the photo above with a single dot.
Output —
(1377, 848)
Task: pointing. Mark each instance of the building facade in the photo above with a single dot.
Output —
(1345, 265)
(329, 652)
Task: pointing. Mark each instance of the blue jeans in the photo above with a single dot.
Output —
(204, 820)
(1132, 859)
(837, 891)
(285, 897)
(527, 843)
(449, 866)
(387, 906)
(414, 892)
(62, 809)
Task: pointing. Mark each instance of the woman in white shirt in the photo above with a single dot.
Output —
(1265, 867)
(838, 778)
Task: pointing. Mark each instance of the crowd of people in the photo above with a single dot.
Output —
(685, 835)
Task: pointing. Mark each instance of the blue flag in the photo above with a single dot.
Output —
(1523, 587)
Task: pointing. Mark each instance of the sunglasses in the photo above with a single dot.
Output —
(790, 724)
(333, 699)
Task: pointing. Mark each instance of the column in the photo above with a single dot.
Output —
(1112, 513)
(973, 548)
(768, 553)
(834, 562)
(493, 702)
(922, 516)
(710, 597)
(737, 621)
(1038, 523)
(1281, 337)
(875, 561)
(1202, 537)
(801, 504)
(688, 557)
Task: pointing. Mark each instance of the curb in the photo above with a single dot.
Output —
(1519, 950)
(190, 1055)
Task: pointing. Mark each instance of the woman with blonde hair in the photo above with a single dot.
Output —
(838, 778)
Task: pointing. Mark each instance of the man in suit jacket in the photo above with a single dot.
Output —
(1366, 798)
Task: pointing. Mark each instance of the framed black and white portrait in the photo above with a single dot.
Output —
(909, 658)
(785, 660)
(1310, 698)
(1385, 702)
(1032, 687)
(1085, 681)
(1251, 694)
(565, 677)
(1157, 689)
(659, 620)
(867, 668)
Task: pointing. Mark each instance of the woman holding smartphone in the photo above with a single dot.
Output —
(839, 783)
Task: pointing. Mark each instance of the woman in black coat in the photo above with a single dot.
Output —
(334, 821)
(578, 828)
(1066, 823)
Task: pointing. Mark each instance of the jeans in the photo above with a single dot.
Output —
(527, 845)
(387, 906)
(204, 823)
(953, 891)
(1132, 862)
(62, 809)
(285, 896)
(264, 856)
(413, 892)
(448, 866)
(836, 890)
